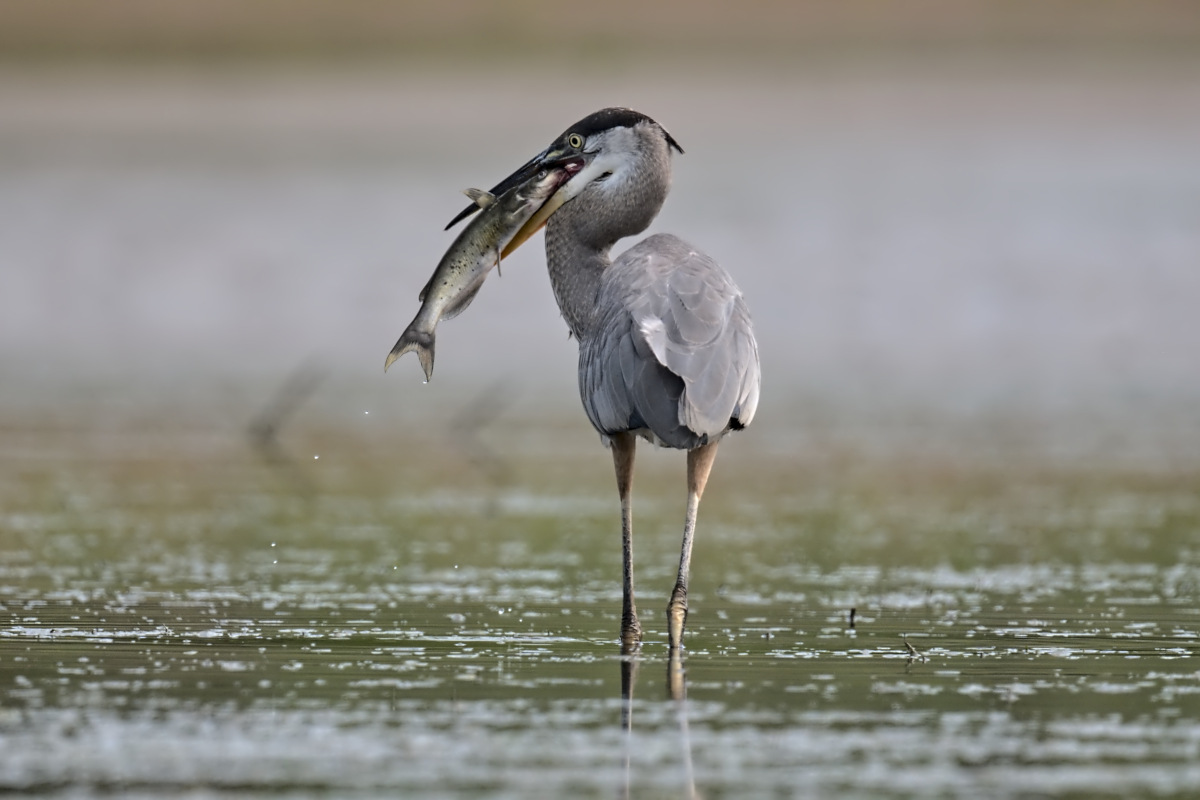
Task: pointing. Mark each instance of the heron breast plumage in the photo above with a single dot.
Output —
(672, 355)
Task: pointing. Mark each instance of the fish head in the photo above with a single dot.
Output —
(548, 180)
(596, 147)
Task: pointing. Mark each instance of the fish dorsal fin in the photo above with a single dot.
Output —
(479, 197)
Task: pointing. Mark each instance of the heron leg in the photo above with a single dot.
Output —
(623, 447)
(699, 465)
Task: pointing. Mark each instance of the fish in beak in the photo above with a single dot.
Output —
(567, 154)
(543, 214)
(475, 251)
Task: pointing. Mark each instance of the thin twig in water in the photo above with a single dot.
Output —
(913, 653)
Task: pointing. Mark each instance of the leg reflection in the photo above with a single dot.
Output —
(629, 666)
(677, 688)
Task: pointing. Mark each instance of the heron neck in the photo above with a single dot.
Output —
(575, 272)
(581, 233)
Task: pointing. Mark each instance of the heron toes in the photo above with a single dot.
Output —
(631, 633)
(676, 617)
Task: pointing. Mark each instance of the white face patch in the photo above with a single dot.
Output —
(616, 151)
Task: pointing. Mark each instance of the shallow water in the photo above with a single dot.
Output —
(180, 620)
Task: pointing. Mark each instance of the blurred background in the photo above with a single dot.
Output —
(965, 224)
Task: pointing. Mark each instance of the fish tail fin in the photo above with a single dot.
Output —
(418, 340)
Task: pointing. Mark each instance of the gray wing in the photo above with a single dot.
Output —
(674, 354)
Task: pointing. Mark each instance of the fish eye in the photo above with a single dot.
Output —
(575, 141)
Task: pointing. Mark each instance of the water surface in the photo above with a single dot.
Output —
(228, 633)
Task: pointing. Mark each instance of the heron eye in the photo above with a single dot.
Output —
(575, 141)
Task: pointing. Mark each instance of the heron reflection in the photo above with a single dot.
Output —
(677, 692)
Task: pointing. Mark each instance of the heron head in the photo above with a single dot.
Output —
(602, 151)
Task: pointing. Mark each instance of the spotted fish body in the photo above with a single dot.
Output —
(463, 268)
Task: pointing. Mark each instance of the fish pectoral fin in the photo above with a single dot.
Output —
(425, 290)
(459, 304)
(479, 197)
(498, 257)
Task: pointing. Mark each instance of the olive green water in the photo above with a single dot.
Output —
(183, 617)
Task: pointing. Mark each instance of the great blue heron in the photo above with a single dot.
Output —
(666, 347)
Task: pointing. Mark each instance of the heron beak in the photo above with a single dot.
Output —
(523, 173)
(569, 162)
(569, 165)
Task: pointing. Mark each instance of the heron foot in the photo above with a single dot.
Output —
(677, 611)
(631, 632)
